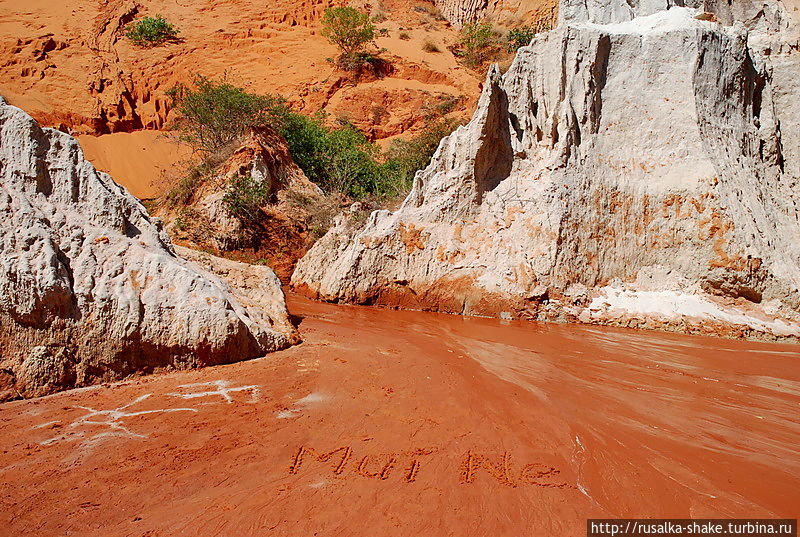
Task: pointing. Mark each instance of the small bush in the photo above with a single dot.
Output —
(433, 11)
(478, 43)
(446, 104)
(245, 196)
(430, 46)
(379, 113)
(404, 36)
(182, 221)
(519, 37)
(340, 159)
(364, 60)
(151, 31)
(379, 13)
(351, 31)
(214, 114)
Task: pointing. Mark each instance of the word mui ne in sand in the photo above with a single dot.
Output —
(409, 463)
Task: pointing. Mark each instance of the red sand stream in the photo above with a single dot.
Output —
(429, 425)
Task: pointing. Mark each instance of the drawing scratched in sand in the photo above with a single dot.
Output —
(112, 421)
(223, 390)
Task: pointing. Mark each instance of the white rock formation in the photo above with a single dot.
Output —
(633, 150)
(90, 286)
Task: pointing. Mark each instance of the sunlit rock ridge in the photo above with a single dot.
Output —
(638, 165)
(91, 288)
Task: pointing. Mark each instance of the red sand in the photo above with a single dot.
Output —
(441, 425)
(147, 163)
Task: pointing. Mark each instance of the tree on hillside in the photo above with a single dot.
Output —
(479, 42)
(351, 31)
(151, 31)
(214, 114)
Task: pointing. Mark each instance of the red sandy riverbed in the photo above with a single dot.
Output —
(428, 424)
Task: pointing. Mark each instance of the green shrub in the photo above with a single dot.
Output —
(338, 159)
(352, 161)
(245, 196)
(341, 159)
(214, 114)
(404, 36)
(478, 43)
(151, 31)
(476, 36)
(351, 31)
(520, 37)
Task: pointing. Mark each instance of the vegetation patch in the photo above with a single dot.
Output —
(413, 154)
(430, 10)
(430, 46)
(245, 196)
(353, 32)
(151, 31)
(478, 43)
(214, 114)
(521, 36)
(335, 155)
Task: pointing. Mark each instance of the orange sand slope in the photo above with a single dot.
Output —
(405, 423)
(145, 162)
(70, 65)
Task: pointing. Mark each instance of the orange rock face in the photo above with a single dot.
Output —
(71, 66)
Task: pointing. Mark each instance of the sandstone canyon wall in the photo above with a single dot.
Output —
(70, 65)
(91, 288)
(638, 166)
(507, 12)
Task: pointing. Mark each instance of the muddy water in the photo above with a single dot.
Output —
(685, 422)
(408, 423)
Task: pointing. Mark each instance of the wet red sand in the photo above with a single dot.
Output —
(427, 425)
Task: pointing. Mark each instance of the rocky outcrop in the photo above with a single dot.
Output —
(507, 12)
(636, 167)
(277, 230)
(91, 288)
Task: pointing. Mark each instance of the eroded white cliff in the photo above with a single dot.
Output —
(90, 286)
(643, 149)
